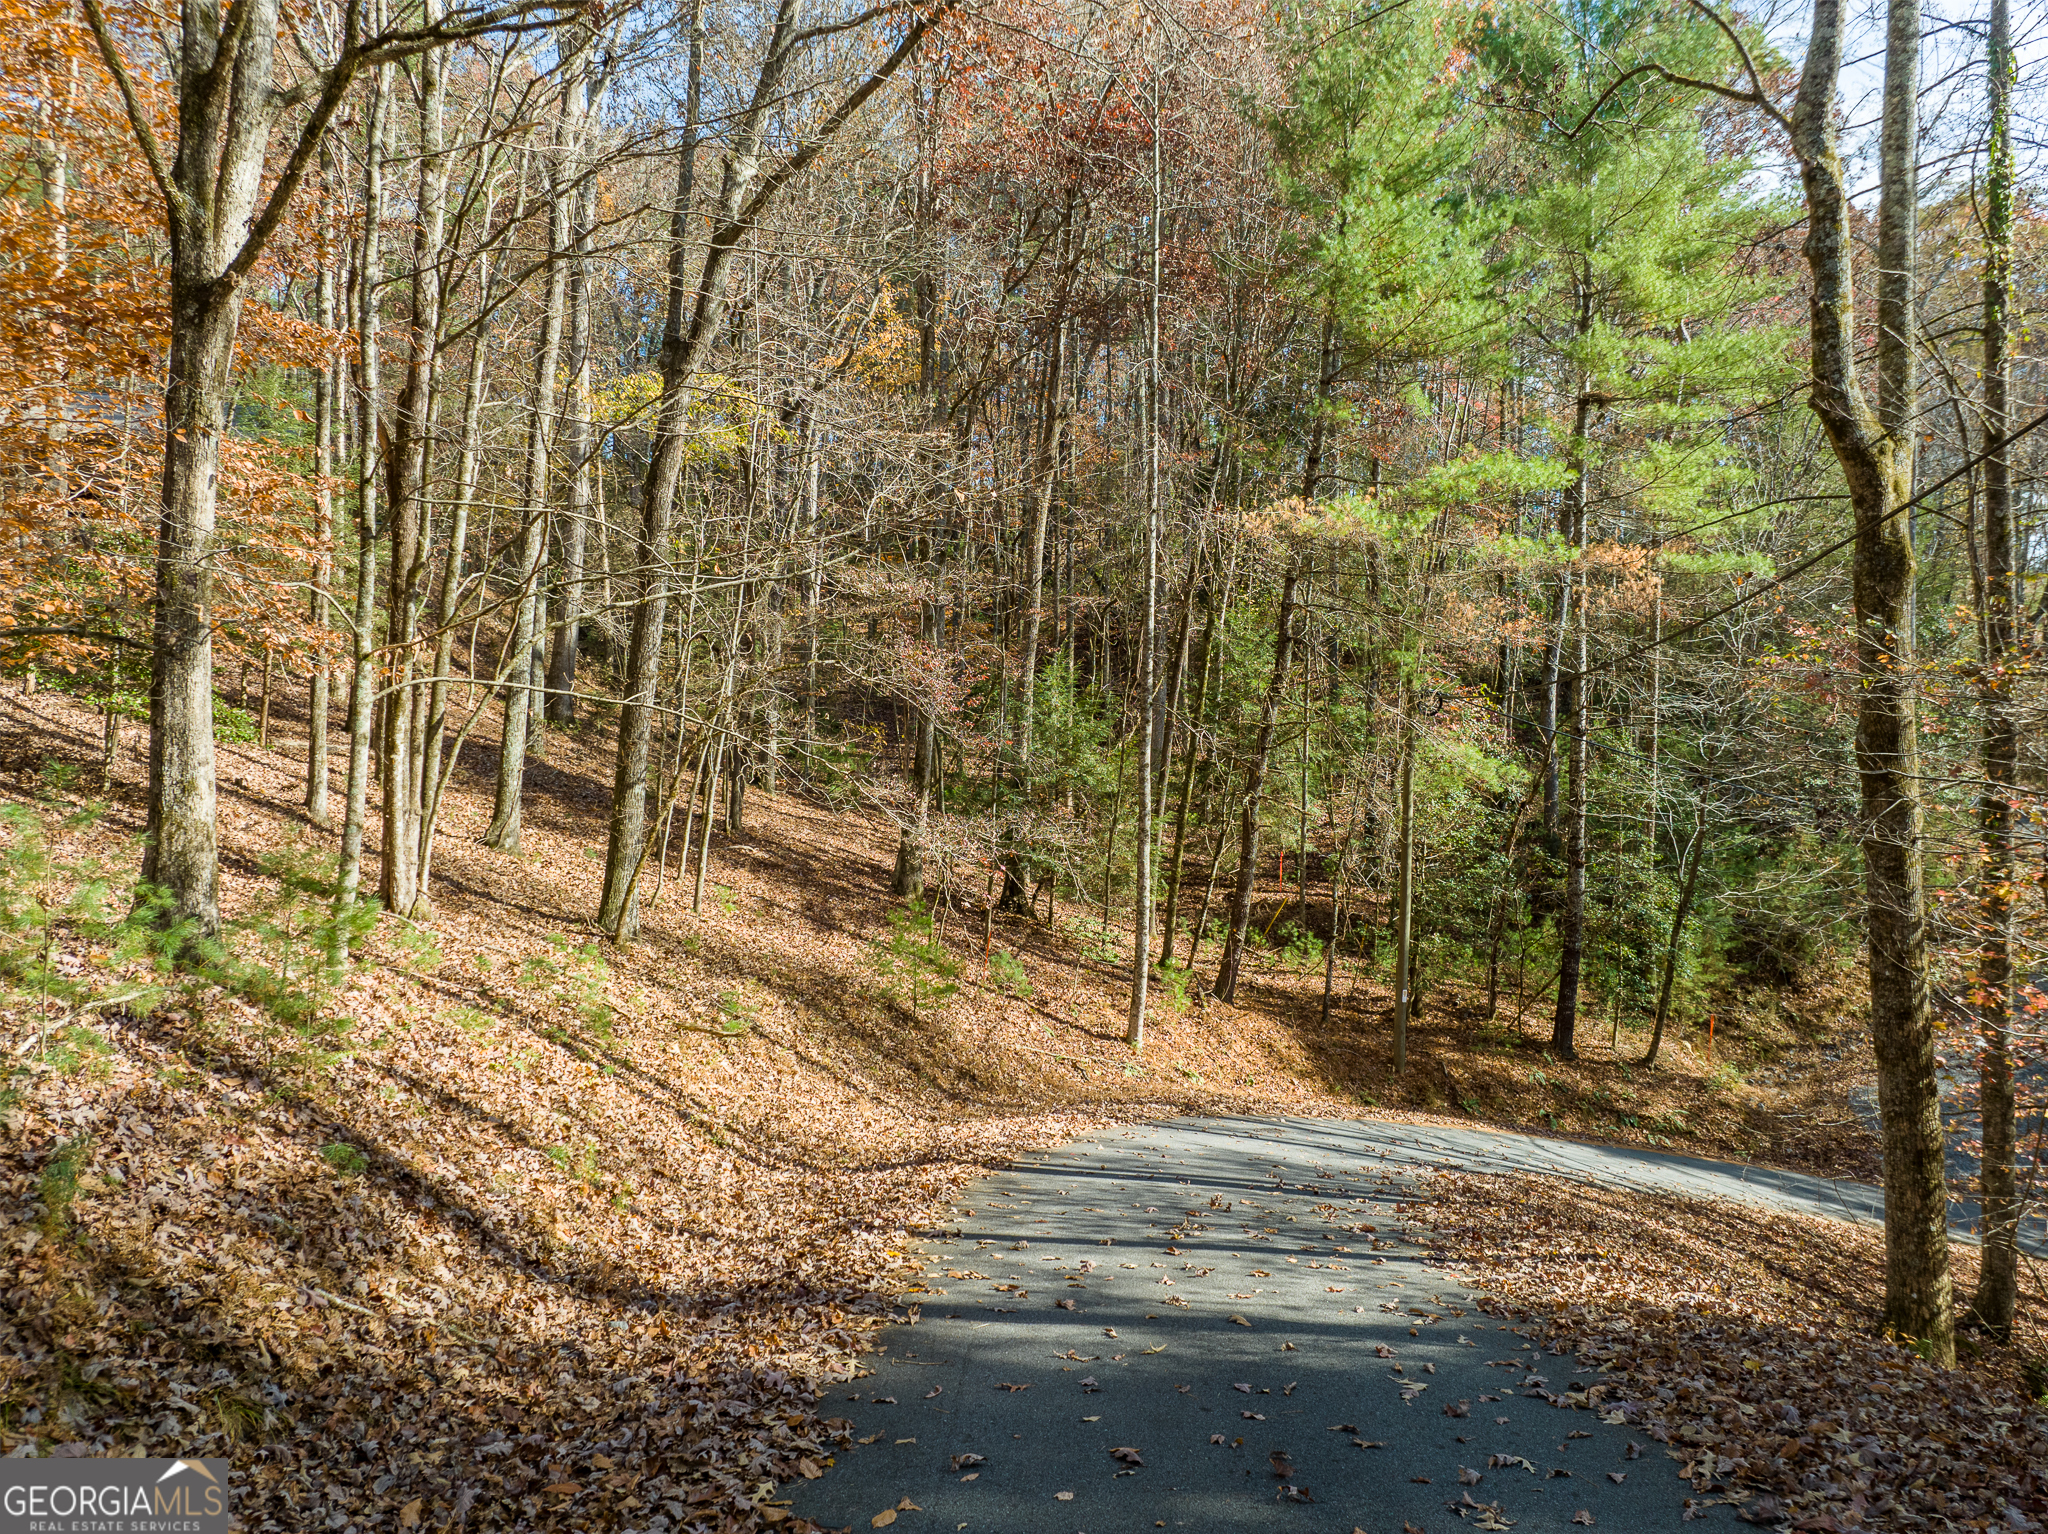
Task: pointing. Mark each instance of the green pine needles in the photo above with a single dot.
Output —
(913, 962)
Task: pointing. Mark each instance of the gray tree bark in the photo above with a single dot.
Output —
(326, 404)
(369, 511)
(412, 456)
(1578, 761)
(1998, 1281)
(1875, 450)
(578, 444)
(1404, 907)
(1148, 658)
(520, 700)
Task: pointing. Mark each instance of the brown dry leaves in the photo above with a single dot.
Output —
(1747, 1343)
(596, 1266)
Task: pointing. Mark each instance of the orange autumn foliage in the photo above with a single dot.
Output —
(83, 331)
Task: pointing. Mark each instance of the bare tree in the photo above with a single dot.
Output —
(232, 95)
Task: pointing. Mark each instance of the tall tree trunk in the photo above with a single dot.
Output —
(1578, 699)
(1225, 987)
(1875, 449)
(1998, 1284)
(412, 462)
(180, 854)
(369, 487)
(618, 910)
(1148, 660)
(520, 709)
(578, 442)
(326, 404)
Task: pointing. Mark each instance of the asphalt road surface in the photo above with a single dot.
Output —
(1964, 1129)
(1229, 1324)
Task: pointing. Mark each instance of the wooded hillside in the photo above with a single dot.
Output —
(625, 620)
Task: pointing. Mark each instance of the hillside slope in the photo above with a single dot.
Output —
(519, 1229)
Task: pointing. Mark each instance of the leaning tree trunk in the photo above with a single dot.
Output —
(1875, 450)
(1998, 1283)
(1225, 987)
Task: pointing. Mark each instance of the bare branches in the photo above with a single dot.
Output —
(138, 118)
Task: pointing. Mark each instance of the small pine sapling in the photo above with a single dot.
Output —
(914, 963)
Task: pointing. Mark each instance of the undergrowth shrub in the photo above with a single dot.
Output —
(913, 962)
(1008, 973)
(278, 955)
(57, 1189)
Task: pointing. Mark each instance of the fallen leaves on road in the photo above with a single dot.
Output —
(1480, 1515)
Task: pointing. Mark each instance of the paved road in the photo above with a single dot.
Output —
(1964, 1128)
(1207, 1293)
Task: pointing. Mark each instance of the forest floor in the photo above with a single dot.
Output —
(531, 1231)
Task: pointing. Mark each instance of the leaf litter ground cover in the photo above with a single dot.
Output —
(1747, 1345)
(540, 1234)
(525, 1233)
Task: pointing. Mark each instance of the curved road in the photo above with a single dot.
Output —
(1220, 1324)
